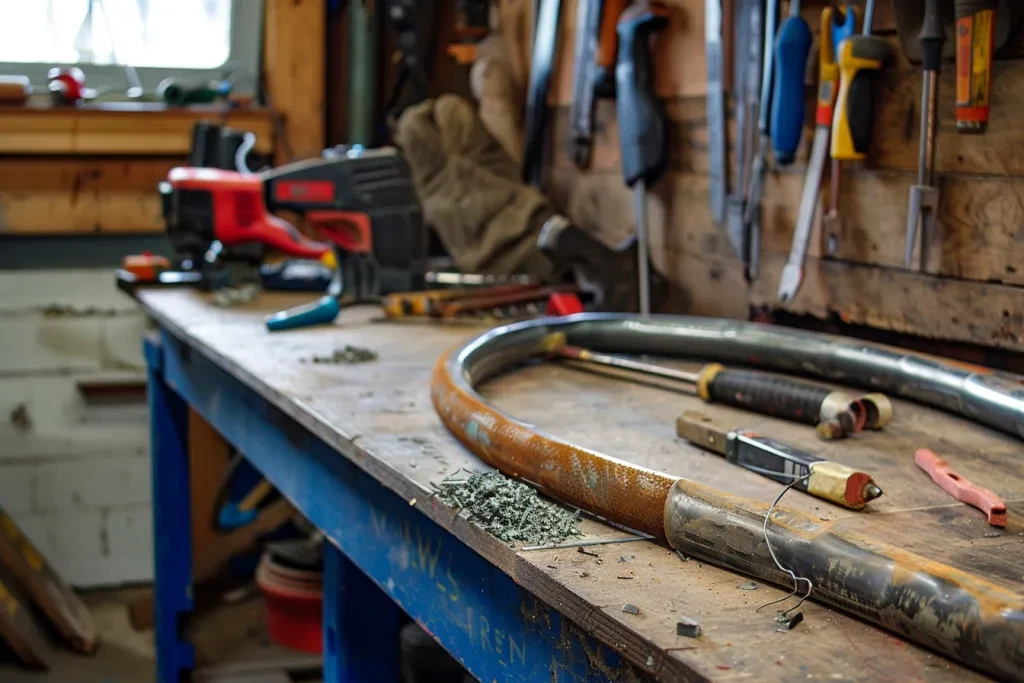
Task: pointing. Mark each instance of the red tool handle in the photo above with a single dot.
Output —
(960, 488)
(240, 213)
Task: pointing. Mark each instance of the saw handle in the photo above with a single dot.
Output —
(642, 124)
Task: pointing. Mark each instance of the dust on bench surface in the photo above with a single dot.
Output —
(346, 356)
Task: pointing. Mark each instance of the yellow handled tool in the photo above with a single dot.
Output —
(861, 58)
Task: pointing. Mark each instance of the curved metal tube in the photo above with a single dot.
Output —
(955, 613)
(980, 394)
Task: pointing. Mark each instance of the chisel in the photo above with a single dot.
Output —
(747, 70)
(835, 414)
(924, 195)
(821, 478)
(792, 47)
(836, 26)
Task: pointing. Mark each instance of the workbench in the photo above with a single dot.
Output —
(355, 448)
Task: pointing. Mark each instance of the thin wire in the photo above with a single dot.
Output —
(796, 579)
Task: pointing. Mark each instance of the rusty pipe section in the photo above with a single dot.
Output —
(945, 609)
(616, 490)
(952, 612)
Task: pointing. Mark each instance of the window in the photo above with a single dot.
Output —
(160, 38)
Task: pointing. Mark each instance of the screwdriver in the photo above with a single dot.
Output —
(861, 58)
(835, 414)
(975, 38)
(836, 26)
(752, 209)
(924, 196)
(643, 136)
(792, 47)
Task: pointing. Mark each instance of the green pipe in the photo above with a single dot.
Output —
(363, 34)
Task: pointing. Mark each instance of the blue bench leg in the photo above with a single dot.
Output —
(172, 530)
(360, 625)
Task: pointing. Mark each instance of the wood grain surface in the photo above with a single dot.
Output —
(976, 253)
(379, 415)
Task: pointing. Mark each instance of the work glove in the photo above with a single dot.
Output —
(471, 191)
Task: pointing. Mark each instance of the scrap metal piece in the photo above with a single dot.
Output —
(877, 410)
(688, 628)
(955, 613)
(630, 609)
(788, 622)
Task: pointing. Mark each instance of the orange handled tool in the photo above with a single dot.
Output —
(608, 42)
(960, 488)
(975, 43)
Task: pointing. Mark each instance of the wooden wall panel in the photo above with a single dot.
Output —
(296, 31)
(128, 129)
(972, 293)
(81, 195)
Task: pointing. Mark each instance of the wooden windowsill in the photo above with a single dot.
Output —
(118, 129)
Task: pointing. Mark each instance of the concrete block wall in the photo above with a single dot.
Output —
(74, 475)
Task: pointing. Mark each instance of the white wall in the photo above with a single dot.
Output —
(76, 477)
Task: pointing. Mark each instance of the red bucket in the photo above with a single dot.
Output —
(295, 605)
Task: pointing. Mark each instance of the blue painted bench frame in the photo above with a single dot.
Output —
(384, 556)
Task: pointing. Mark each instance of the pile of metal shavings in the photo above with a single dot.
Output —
(235, 296)
(508, 509)
(347, 356)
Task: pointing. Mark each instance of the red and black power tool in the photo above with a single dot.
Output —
(361, 201)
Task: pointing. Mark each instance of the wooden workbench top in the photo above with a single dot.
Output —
(378, 414)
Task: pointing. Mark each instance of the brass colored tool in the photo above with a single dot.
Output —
(821, 478)
(430, 302)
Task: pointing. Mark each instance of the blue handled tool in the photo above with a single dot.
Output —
(792, 48)
(323, 311)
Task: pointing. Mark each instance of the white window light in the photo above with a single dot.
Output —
(187, 39)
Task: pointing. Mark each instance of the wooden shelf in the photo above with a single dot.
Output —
(118, 129)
